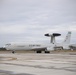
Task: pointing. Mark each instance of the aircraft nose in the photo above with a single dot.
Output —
(3, 46)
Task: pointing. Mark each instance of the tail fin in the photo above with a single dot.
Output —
(67, 39)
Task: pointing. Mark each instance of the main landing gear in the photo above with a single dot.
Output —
(47, 51)
(41, 51)
(13, 52)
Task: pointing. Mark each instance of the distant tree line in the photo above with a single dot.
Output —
(2, 49)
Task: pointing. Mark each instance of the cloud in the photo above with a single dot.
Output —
(12, 29)
(30, 19)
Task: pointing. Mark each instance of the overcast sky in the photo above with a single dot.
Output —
(29, 20)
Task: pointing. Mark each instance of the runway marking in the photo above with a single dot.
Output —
(3, 72)
(72, 69)
(7, 58)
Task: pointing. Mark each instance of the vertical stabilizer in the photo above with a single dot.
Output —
(68, 37)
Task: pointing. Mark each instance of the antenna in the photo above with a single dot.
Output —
(52, 36)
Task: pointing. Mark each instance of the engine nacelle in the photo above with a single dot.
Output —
(50, 48)
(66, 47)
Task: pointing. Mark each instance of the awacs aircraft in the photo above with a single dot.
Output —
(41, 47)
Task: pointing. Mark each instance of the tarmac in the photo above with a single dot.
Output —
(60, 63)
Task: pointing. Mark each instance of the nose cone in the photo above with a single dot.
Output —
(4, 46)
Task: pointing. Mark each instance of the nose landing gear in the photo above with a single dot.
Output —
(13, 52)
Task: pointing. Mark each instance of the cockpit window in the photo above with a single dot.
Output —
(8, 44)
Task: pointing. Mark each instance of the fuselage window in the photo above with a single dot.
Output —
(8, 44)
(21, 46)
(34, 45)
(38, 45)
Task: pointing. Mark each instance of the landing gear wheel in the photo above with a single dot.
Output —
(13, 52)
(38, 51)
(47, 51)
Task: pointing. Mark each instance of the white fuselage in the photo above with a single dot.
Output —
(24, 46)
(31, 46)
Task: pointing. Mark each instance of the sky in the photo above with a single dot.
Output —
(29, 20)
